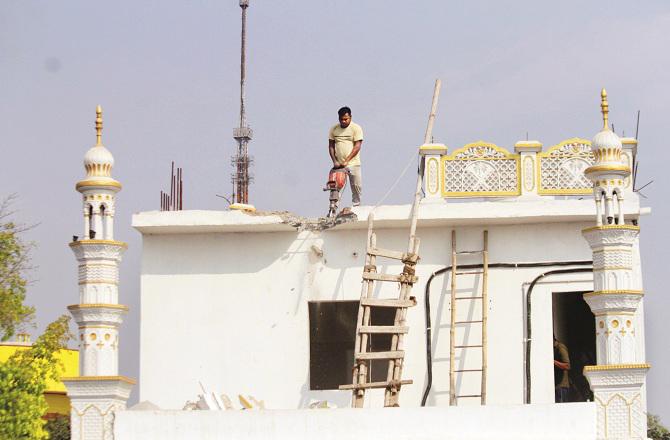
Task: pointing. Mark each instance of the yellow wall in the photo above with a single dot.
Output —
(55, 394)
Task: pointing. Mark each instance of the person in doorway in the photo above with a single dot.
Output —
(561, 368)
(344, 146)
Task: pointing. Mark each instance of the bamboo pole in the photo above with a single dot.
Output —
(397, 341)
(485, 314)
(419, 180)
(452, 326)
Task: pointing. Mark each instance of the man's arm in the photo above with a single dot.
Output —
(331, 151)
(354, 152)
(564, 363)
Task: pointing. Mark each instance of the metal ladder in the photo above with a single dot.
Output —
(481, 324)
(395, 355)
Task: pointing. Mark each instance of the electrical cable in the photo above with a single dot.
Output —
(410, 162)
(429, 360)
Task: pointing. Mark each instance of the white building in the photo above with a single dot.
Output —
(248, 303)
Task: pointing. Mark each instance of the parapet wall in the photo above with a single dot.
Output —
(574, 421)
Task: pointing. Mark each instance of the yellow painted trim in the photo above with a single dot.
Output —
(508, 156)
(433, 147)
(616, 367)
(558, 146)
(565, 191)
(596, 168)
(97, 306)
(614, 314)
(601, 269)
(93, 242)
(612, 249)
(528, 146)
(112, 282)
(439, 184)
(56, 393)
(28, 345)
(533, 180)
(242, 207)
(629, 141)
(99, 378)
(606, 227)
(614, 292)
(111, 183)
(507, 153)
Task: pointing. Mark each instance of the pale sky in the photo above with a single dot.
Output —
(167, 72)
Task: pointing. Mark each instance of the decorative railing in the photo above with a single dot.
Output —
(482, 169)
(561, 168)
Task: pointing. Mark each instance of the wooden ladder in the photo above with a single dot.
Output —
(480, 323)
(395, 355)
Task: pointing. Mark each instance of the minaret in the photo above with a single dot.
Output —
(619, 375)
(242, 161)
(99, 392)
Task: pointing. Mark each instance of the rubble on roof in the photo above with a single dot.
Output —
(307, 223)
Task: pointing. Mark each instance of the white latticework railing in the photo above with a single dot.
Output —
(481, 169)
(561, 168)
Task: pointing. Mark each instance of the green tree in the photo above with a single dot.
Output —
(14, 261)
(58, 428)
(23, 377)
(655, 430)
(23, 380)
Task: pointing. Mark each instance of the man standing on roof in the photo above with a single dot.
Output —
(344, 145)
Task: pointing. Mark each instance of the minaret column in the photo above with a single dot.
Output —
(619, 376)
(99, 392)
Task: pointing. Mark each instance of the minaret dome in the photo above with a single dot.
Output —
(98, 162)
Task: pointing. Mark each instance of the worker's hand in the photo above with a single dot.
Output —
(344, 164)
(336, 164)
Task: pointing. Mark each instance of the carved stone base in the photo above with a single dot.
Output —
(617, 391)
(94, 401)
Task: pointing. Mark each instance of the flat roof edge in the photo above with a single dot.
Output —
(386, 216)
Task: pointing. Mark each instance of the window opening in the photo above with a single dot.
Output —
(332, 335)
(574, 326)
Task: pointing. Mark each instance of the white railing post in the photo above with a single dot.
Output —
(433, 181)
(529, 176)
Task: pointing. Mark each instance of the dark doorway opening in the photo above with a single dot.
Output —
(332, 336)
(574, 326)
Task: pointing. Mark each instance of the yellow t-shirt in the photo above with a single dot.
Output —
(344, 142)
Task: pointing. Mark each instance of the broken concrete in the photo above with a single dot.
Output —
(306, 223)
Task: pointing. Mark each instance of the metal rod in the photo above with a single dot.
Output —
(181, 189)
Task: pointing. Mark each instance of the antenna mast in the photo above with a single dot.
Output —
(242, 134)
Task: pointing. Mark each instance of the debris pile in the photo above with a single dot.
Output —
(212, 402)
(309, 224)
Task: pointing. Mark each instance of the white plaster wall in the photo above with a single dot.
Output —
(230, 309)
(574, 421)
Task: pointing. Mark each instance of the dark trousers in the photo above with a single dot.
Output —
(561, 394)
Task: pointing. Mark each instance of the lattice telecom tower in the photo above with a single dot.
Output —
(241, 161)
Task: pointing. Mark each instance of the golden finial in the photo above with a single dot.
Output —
(604, 108)
(98, 125)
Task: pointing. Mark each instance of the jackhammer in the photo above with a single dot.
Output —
(337, 180)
